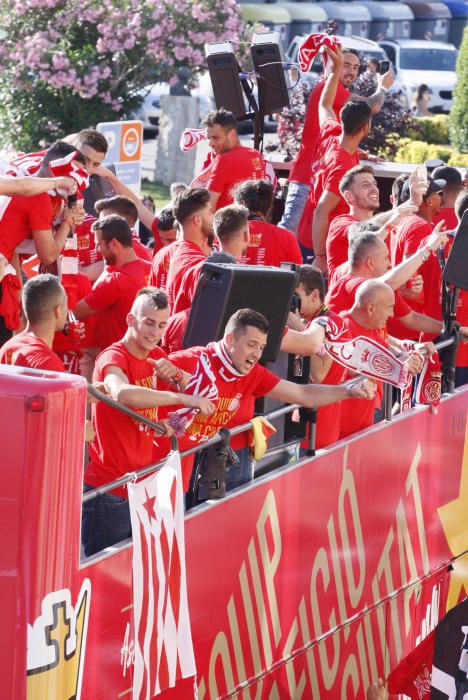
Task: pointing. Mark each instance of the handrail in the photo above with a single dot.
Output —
(149, 469)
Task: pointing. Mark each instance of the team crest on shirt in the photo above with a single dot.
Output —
(234, 403)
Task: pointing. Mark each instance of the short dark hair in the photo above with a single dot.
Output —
(228, 220)
(223, 117)
(156, 297)
(461, 204)
(353, 51)
(41, 294)
(362, 227)
(311, 279)
(60, 149)
(188, 202)
(121, 205)
(92, 138)
(397, 187)
(354, 116)
(166, 219)
(360, 247)
(257, 195)
(451, 176)
(246, 317)
(221, 257)
(347, 179)
(114, 227)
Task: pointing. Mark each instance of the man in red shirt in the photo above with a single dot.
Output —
(269, 244)
(234, 361)
(233, 163)
(452, 189)
(124, 207)
(301, 171)
(114, 292)
(337, 153)
(231, 228)
(368, 259)
(45, 308)
(193, 212)
(122, 444)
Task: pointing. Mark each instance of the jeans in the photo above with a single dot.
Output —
(461, 376)
(294, 205)
(242, 472)
(105, 521)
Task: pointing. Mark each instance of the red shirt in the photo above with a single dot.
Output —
(175, 331)
(187, 256)
(301, 168)
(271, 245)
(229, 168)
(22, 216)
(141, 250)
(357, 414)
(342, 293)
(231, 396)
(446, 214)
(113, 295)
(408, 236)
(337, 240)
(88, 254)
(121, 443)
(331, 163)
(25, 350)
(161, 263)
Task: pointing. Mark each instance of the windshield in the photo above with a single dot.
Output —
(428, 59)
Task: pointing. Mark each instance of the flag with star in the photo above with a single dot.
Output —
(162, 634)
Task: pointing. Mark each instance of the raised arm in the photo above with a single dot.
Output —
(328, 95)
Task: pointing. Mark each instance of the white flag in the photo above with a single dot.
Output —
(163, 638)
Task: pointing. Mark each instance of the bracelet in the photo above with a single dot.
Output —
(320, 255)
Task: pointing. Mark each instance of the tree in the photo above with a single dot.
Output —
(68, 64)
(459, 112)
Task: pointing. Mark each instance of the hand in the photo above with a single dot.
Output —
(414, 363)
(417, 187)
(463, 330)
(427, 348)
(336, 57)
(78, 213)
(387, 79)
(164, 430)
(438, 237)
(401, 211)
(294, 321)
(66, 183)
(415, 287)
(360, 388)
(100, 386)
(320, 263)
(374, 159)
(377, 691)
(204, 406)
(165, 370)
(90, 433)
(102, 171)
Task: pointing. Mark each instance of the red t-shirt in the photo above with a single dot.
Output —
(406, 241)
(446, 214)
(175, 331)
(161, 263)
(331, 163)
(113, 295)
(121, 444)
(187, 256)
(232, 395)
(88, 254)
(22, 216)
(301, 167)
(341, 295)
(69, 350)
(337, 241)
(141, 250)
(271, 245)
(238, 164)
(25, 350)
(357, 414)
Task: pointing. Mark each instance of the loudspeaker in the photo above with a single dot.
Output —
(223, 289)
(224, 74)
(456, 267)
(272, 80)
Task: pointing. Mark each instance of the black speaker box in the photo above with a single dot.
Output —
(223, 289)
(456, 268)
(273, 92)
(227, 88)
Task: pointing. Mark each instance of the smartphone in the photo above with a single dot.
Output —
(384, 67)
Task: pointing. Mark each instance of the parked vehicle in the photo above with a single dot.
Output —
(432, 63)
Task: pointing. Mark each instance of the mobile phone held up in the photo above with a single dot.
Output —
(384, 67)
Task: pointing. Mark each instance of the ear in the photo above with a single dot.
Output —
(130, 319)
(348, 196)
(229, 339)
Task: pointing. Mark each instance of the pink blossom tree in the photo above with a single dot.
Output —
(68, 64)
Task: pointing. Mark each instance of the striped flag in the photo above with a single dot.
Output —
(163, 638)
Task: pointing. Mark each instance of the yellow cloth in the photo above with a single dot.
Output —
(258, 436)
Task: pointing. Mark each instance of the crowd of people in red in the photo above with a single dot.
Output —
(100, 303)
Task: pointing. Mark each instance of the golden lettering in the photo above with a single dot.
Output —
(296, 689)
(413, 484)
(313, 682)
(405, 548)
(362, 655)
(249, 616)
(321, 565)
(270, 564)
(370, 646)
(348, 488)
(220, 650)
(384, 567)
(337, 572)
(261, 608)
(350, 671)
(236, 643)
(201, 689)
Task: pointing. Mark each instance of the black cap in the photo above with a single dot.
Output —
(434, 186)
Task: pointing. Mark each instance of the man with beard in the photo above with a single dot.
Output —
(113, 293)
(193, 212)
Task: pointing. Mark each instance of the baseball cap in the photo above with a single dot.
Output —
(434, 186)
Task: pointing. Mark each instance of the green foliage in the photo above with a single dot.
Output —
(418, 151)
(459, 113)
(431, 129)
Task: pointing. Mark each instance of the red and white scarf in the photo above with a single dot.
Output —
(202, 383)
(311, 46)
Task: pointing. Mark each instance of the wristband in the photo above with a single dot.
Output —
(320, 255)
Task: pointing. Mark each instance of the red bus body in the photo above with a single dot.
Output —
(309, 583)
